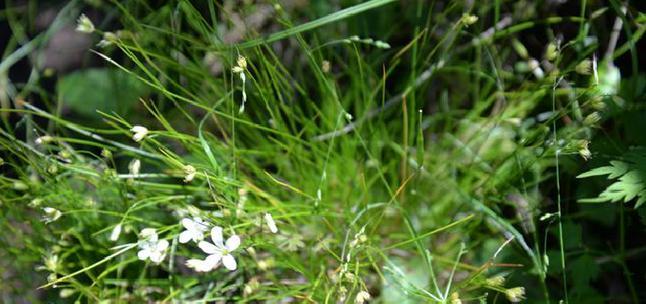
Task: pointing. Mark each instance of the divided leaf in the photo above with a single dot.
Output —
(630, 176)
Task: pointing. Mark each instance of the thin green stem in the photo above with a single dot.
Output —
(558, 193)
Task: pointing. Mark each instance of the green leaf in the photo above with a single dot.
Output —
(617, 169)
(104, 89)
(630, 176)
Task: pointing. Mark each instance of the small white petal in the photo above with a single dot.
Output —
(199, 265)
(205, 265)
(185, 236)
(200, 224)
(188, 223)
(229, 262)
(212, 260)
(209, 248)
(134, 167)
(116, 232)
(232, 243)
(271, 223)
(139, 133)
(157, 256)
(162, 245)
(137, 137)
(149, 234)
(139, 129)
(143, 254)
(216, 236)
(189, 177)
(196, 264)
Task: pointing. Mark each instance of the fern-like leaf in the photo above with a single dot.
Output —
(630, 179)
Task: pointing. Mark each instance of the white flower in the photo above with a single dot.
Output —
(535, 67)
(242, 62)
(239, 69)
(468, 19)
(515, 294)
(52, 262)
(151, 247)
(195, 229)
(139, 133)
(51, 214)
(108, 39)
(271, 223)
(134, 166)
(189, 173)
(216, 252)
(116, 232)
(84, 25)
(362, 297)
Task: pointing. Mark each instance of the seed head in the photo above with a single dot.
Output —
(584, 67)
(496, 281)
(469, 19)
(189, 173)
(362, 297)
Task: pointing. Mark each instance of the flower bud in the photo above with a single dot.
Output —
(84, 25)
(515, 294)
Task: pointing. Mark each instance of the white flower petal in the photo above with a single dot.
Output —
(143, 254)
(189, 224)
(213, 260)
(216, 236)
(200, 225)
(209, 248)
(205, 265)
(149, 234)
(229, 262)
(114, 236)
(162, 245)
(199, 221)
(199, 265)
(271, 223)
(196, 264)
(139, 129)
(157, 256)
(137, 137)
(185, 236)
(232, 243)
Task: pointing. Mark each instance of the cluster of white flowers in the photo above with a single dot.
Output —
(218, 251)
(151, 247)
